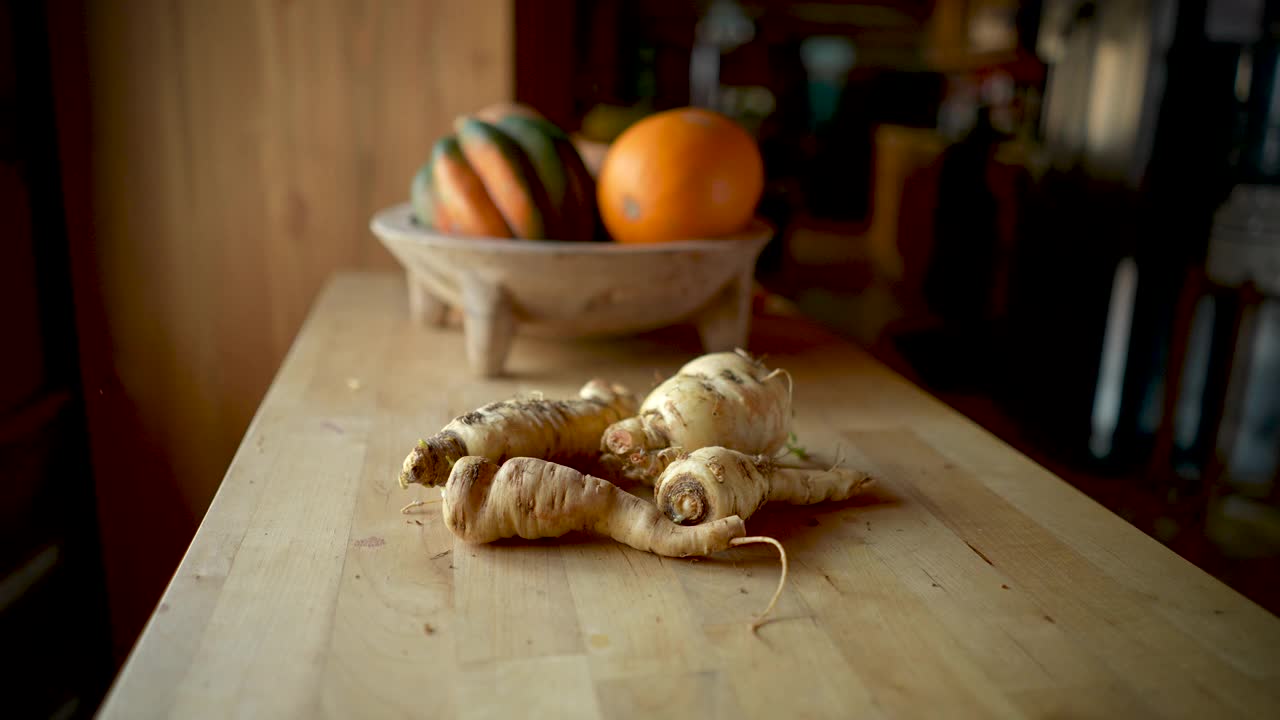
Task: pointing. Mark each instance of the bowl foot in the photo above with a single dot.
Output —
(724, 323)
(425, 308)
(489, 323)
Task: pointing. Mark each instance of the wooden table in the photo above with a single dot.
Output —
(972, 582)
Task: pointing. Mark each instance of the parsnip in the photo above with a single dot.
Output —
(532, 498)
(715, 482)
(719, 399)
(565, 431)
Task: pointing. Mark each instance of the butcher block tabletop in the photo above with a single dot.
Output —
(969, 582)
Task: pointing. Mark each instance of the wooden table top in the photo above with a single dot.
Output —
(971, 582)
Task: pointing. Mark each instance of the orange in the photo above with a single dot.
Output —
(681, 174)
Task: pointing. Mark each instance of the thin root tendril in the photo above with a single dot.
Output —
(782, 579)
(407, 509)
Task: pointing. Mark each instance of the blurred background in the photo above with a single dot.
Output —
(1060, 217)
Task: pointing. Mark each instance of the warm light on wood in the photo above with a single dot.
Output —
(967, 580)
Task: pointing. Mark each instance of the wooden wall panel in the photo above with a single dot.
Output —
(236, 152)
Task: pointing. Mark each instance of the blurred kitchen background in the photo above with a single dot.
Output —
(1060, 217)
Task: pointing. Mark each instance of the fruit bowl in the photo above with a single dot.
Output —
(573, 288)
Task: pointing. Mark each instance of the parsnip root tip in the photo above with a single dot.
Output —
(782, 579)
(408, 509)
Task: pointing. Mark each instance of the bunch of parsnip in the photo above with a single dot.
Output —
(706, 439)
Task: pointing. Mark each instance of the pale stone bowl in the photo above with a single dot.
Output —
(573, 288)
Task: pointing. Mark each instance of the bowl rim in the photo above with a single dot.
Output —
(395, 222)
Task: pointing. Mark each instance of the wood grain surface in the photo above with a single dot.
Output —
(235, 152)
(969, 583)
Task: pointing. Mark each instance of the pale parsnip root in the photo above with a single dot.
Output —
(559, 430)
(719, 399)
(532, 498)
(716, 482)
